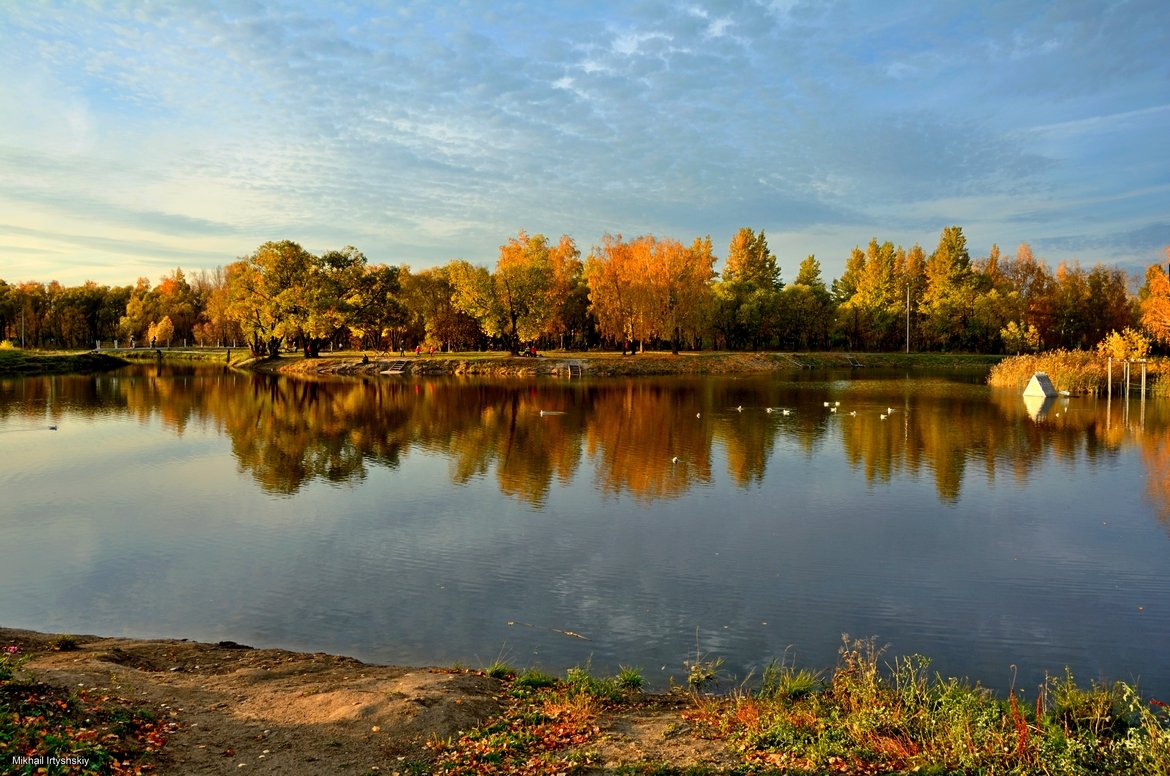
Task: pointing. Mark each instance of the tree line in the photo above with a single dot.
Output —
(635, 293)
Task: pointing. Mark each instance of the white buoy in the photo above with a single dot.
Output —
(787, 412)
(769, 410)
(674, 460)
(883, 416)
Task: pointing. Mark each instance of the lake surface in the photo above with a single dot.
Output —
(547, 522)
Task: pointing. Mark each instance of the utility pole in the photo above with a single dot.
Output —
(907, 316)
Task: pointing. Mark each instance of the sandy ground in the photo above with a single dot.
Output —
(270, 711)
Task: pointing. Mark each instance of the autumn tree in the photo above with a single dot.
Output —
(649, 288)
(378, 307)
(140, 312)
(1155, 303)
(215, 324)
(681, 281)
(161, 332)
(268, 294)
(174, 298)
(333, 297)
(431, 312)
(524, 297)
(614, 278)
(1033, 281)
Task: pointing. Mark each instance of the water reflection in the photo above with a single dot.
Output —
(648, 439)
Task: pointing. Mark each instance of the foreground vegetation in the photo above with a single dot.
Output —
(863, 717)
(46, 729)
(866, 715)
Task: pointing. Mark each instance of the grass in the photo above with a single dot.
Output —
(865, 716)
(99, 734)
(16, 362)
(870, 717)
(547, 727)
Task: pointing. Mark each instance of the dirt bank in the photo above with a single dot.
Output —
(233, 709)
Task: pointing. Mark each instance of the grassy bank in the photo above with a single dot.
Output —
(611, 364)
(865, 716)
(28, 362)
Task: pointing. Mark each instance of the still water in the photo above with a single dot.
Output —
(553, 523)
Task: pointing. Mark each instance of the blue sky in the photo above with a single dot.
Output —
(138, 137)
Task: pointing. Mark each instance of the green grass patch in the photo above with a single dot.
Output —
(18, 362)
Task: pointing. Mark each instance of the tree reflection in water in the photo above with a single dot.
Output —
(647, 438)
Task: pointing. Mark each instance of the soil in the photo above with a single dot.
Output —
(236, 709)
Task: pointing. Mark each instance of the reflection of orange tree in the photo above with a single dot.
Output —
(1155, 449)
(480, 423)
(748, 440)
(287, 431)
(634, 433)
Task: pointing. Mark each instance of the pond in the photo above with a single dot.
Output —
(554, 523)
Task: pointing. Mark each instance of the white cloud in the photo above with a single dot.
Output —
(433, 130)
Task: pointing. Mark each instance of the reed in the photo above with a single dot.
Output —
(1078, 372)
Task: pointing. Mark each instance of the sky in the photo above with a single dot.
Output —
(142, 136)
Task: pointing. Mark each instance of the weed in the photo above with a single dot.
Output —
(703, 670)
(783, 679)
(579, 680)
(498, 669)
(629, 678)
(534, 679)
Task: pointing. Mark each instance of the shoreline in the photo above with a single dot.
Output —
(184, 707)
(606, 364)
(556, 364)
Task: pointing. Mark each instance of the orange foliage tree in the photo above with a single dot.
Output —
(1155, 303)
(649, 288)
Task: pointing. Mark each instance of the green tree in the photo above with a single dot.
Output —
(746, 302)
(948, 299)
(749, 260)
(268, 294)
